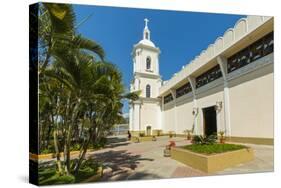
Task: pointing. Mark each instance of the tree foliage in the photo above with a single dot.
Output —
(80, 94)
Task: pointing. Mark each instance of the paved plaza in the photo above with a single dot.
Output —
(125, 160)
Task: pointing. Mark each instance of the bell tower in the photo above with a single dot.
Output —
(145, 114)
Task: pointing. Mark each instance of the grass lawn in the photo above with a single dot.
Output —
(49, 176)
(213, 148)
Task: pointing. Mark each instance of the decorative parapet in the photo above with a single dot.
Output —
(243, 27)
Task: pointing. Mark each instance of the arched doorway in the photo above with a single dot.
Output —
(148, 130)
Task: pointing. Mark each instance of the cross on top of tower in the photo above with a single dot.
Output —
(146, 32)
(146, 22)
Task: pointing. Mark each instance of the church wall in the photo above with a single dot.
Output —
(242, 28)
(168, 120)
(149, 116)
(251, 104)
(184, 118)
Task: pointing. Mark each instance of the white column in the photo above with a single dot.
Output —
(159, 115)
(195, 106)
(157, 64)
(162, 114)
(134, 64)
(173, 92)
(136, 123)
(222, 61)
(131, 124)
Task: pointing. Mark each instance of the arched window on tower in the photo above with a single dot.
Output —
(148, 63)
(146, 35)
(148, 92)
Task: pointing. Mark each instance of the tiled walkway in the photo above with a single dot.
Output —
(127, 161)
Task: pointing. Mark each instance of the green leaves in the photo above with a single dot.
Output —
(132, 96)
(62, 17)
(202, 140)
(86, 44)
(80, 94)
(58, 38)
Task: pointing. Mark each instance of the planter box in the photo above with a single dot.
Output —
(214, 162)
(142, 139)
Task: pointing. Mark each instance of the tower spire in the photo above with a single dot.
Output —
(146, 32)
(146, 22)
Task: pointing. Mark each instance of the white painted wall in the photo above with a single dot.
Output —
(149, 116)
(168, 117)
(251, 106)
(184, 116)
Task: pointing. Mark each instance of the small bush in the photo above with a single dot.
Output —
(100, 144)
(75, 147)
(49, 176)
(88, 169)
(214, 148)
(204, 139)
(57, 179)
(141, 134)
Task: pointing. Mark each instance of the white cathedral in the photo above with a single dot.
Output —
(228, 87)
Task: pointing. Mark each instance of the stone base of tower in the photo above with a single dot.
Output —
(154, 132)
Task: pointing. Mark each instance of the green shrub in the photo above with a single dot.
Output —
(141, 134)
(200, 139)
(103, 141)
(213, 148)
(88, 169)
(49, 176)
(75, 147)
(100, 144)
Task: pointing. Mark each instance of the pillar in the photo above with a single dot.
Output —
(222, 61)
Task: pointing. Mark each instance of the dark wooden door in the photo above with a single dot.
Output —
(210, 120)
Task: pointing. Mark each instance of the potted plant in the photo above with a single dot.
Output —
(170, 134)
(222, 138)
(158, 132)
(188, 134)
(167, 150)
(141, 134)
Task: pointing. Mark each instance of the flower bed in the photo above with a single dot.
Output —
(212, 158)
(213, 148)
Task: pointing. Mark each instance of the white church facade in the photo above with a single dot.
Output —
(228, 87)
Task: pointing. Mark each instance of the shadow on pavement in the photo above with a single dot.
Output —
(121, 165)
(113, 145)
(116, 139)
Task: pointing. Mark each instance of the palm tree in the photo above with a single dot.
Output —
(75, 86)
(57, 32)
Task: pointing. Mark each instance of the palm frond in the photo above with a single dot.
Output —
(87, 44)
(132, 96)
(62, 17)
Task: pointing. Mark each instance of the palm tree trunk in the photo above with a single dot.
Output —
(83, 153)
(55, 134)
(68, 138)
(48, 136)
(58, 161)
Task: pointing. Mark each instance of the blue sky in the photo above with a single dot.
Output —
(180, 35)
